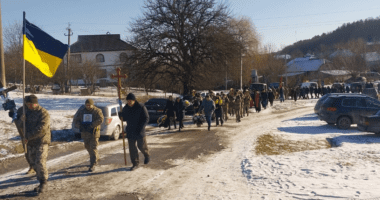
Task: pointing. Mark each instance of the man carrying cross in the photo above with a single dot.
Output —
(136, 116)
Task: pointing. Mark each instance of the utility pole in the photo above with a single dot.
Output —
(241, 71)
(68, 54)
(2, 53)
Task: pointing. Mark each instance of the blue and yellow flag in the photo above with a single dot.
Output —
(42, 50)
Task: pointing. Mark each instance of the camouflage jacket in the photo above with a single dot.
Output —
(247, 99)
(237, 103)
(97, 120)
(37, 126)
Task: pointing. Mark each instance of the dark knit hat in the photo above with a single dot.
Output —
(207, 95)
(31, 99)
(90, 101)
(131, 96)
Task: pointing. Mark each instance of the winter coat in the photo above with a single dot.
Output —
(208, 107)
(97, 120)
(169, 108)
(179, 110)
(219, 107)
(137, 118)
(270, 96)
(37, 124)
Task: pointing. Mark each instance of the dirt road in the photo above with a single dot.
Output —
(192, 164)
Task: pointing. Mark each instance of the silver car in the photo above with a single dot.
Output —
(111, 125)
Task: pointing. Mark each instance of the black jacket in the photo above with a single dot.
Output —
(137, 118)
(179, 108)
(170, 108)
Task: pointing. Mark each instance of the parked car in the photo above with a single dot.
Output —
(370, 123)
(345, 110)
(155, 108)
(258, 86)
(357, 87)
(111, 125)
(324, 97)
(309, 84)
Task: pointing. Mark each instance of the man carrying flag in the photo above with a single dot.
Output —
(45, 53)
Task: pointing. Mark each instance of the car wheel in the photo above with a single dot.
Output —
(116, 133)
(344, 123)
(78, 136)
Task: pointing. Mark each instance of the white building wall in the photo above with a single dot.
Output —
(111, 60)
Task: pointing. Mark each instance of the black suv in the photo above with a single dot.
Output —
(345, 110)
(155, 108)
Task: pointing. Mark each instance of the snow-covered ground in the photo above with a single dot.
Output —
(297, 162)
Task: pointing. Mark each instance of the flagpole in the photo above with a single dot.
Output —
(23, 79)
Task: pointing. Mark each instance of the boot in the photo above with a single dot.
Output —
(134, 167)
(92, 168)
(42, 187)
(31, 171)
(209, 128)
(146, 160)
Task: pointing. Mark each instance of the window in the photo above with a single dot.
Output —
(349, 102)
(123, 57)
(113, 112)
(76, 58)
(361, 103)
(372, 103)
(99, 58)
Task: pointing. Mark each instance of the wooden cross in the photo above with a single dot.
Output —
(119, 77)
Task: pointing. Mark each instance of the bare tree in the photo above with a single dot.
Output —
(183, 39)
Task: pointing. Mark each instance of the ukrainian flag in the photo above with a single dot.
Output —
(42, 50)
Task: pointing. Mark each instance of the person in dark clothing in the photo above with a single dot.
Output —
(218, 110)
(271, 97)
(306, 94)
(311, 91)
(282, 97)
(347, 89)
(295, 94)
(328, 89)
(169, 110)
(180, 110)
(264, 99)
(136, 116)
(317, 92)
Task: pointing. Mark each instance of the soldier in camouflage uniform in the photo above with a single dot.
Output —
(231, 97)
(21, 133)
(237, 107)
(242, 96)
(89, 119)
(37, 137)
(225, 106)
(247, 100)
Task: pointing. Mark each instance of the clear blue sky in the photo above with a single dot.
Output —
(278, 22)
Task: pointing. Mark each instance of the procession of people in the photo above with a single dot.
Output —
(219, 107)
